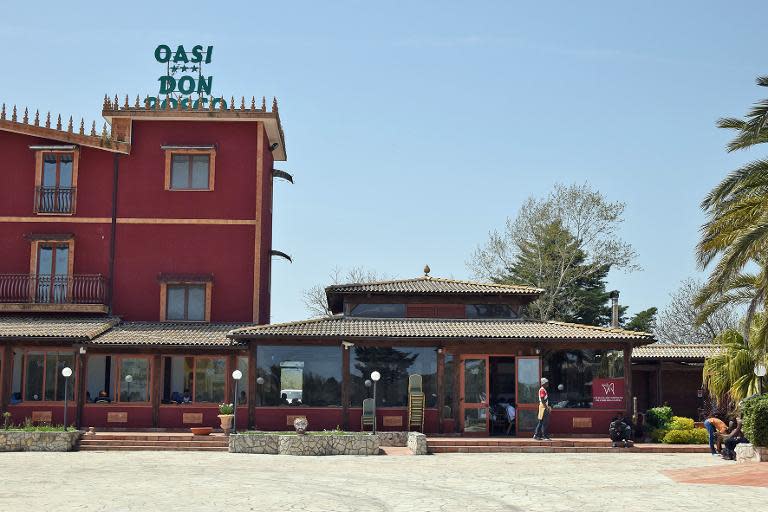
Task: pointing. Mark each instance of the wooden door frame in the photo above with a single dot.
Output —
(462, 405)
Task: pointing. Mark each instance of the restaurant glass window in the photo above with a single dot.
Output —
(299, 375)
(133, 379)
(16, 383)
(378, 310)
(210, 380)
(573, 375)
(187, 379)
(99, 385)
(242, 385)
(449, 383)
(394, 365)
(43, 379)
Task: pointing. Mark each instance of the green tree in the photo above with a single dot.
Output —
(644, 321)
(729, 374)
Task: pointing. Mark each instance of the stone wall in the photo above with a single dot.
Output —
(288, 444)
(20, 441)
(392, 438)
(745, 452)
(417, 442)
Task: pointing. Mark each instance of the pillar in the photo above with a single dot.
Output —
(157, 362)
(628, 394)
(7, 376)
(81, 373)
(345, 387)
(440, 387)
(252, 389)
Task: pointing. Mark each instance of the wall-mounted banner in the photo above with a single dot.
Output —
(608, 393)
(184, 77)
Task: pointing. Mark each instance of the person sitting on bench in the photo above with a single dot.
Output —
(620, 432)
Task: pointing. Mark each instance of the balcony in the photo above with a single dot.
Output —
(46, 293)
(55, 200)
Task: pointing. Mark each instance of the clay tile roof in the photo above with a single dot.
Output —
(351, 327)
(54, 326)
(675, 351)
(169, 334)
(433, 285)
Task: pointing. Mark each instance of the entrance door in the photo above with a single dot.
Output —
(473, 395)
(528, 373)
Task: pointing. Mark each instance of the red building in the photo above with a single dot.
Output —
(163, 223)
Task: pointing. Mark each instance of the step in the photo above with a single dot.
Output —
(517, 443)
(179, 444)
(153, 437)
(140, 447)
(570, 449)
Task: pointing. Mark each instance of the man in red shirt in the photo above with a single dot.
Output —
(544, 410)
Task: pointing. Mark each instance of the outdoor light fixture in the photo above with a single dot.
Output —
(347, 344)
(375, 376)
(236, 376)
(760, 370)
(66, 372)
(273, 146)
(260, 381)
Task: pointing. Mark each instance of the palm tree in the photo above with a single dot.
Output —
(730, 372)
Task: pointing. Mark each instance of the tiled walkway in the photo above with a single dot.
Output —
(754, 475)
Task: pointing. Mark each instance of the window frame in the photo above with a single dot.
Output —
(39, 161)
(34, 257)
(164, 299)
(193, 387)
(45, 351)
(171, 151)
(118, 381)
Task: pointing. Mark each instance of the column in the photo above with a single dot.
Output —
(81, 372)
(157, 362)
(628, 379)
(440, 387)
(345, 387)
(7, 376)
(252, 389)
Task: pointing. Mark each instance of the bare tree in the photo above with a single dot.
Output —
(677, 322)
(314, 297)
(590, 220)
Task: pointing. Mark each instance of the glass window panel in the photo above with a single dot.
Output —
(474, 381)
(175, 297)
(177, 379)
(299, 375)
(475, 420)
(449, 383)
(210, 380)
(34, 374)
(528, 383)
(98, 379)
(49, 170)
(242, 385)
(395, 365)
(571, 372)
(180, 171)
(378, 310)
(196, 304)
(54, 380)
(18, 366)
(65, 170)
(200, 171)
(44, 260)
(490, 311)
(135, 388)
(527, 419)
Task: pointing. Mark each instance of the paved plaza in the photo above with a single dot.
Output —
(149, 481)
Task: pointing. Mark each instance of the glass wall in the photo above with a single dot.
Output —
(242, 386)
(210, 380)
(449, 383)
(43, 379)
(188, 379)
(378, 310)
(571, 373)
(490, 311)
(133, 379)
(299, 376)
(395, 365)
(117, 379)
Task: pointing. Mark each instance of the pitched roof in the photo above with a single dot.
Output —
(169, 334)
(433, 285)
(675, 351)
(54, 326)
(445, 328)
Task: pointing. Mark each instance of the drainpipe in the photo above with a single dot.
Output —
(111, 281)
(615, 309)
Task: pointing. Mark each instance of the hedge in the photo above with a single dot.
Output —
(689, 436)
(658, 417)
(755, 418)
(657, 434)
(680, 423)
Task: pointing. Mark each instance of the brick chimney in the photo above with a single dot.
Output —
(615, 309)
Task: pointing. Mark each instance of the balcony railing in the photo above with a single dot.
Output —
(47, 289)
(54, 200)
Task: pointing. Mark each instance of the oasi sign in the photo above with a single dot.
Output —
(184, 77)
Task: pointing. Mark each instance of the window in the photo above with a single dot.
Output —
(242, 385)
(190, 169)
(42, 376)
(395, 365)
(299, 375)
(55, 182)
(573, 374)
(52, 264)
(490, 311)
(194, 379)
(117, 379)
(449, 383)
(185, 302)
(378, 310)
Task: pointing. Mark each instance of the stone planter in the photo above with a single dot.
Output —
(745, 452)
(226, 422)
(19, 441)
(309, 444)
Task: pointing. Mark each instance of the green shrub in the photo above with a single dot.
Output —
(658, 417)
(226, 409)
(657, 434)
(680, 423)
(689, 436)
(755, 418)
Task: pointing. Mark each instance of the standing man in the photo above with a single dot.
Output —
(544, 410)
(716, 429)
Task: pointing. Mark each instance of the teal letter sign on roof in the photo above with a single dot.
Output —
(184, 77)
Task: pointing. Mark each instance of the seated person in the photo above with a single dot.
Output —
(88, 397)
(730, 440)
(620, 431)
(176, 397)
(243, 399)
(103, 398)
(16, 398)
(186, 398)
(284, 399)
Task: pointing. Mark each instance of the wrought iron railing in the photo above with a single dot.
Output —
(55, 199)
(47, 289)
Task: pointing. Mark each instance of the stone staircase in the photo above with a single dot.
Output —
(153, 441)
(560, 445)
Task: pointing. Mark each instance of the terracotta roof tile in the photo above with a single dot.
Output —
(169, 334)
(350, 327)
(54, 326)
(430, 285)
(674, 351)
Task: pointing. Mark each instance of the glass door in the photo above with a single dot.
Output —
(528, 373)
(473, 397)
(52, 273)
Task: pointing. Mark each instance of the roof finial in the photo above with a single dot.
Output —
(427, 270)
(136, 105)
(48, 120)
(231, 103)
(25, 119)
(58, 123)
(263, 103)
(69, 125)
(93, 129)
(82, 126)
(242, 102)
(116, 105)
(253, 102)
(2, 112)
(274, 104)
(13, 114)
(37, 118)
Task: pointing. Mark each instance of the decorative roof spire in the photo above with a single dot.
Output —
(69, 125)
(106, 102)
(242, 102)
(263, 103)
(125, 105)
(136, 105)
(2, 112)
(427, 270)
(82, 126)
(116, 105)
(253, 102)
(231, 103)
(25, 118)
(13, 114)
(58, 123)
(48, 120)
(37, 118)
(274, 104)
(93, 129)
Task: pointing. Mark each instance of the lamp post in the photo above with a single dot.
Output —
(236, 376)
(128, 380)
(375, 376)
(66, 372)
(760, 372)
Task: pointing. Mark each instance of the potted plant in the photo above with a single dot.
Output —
(226, 415)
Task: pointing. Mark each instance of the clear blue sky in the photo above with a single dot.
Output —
(416, 127)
